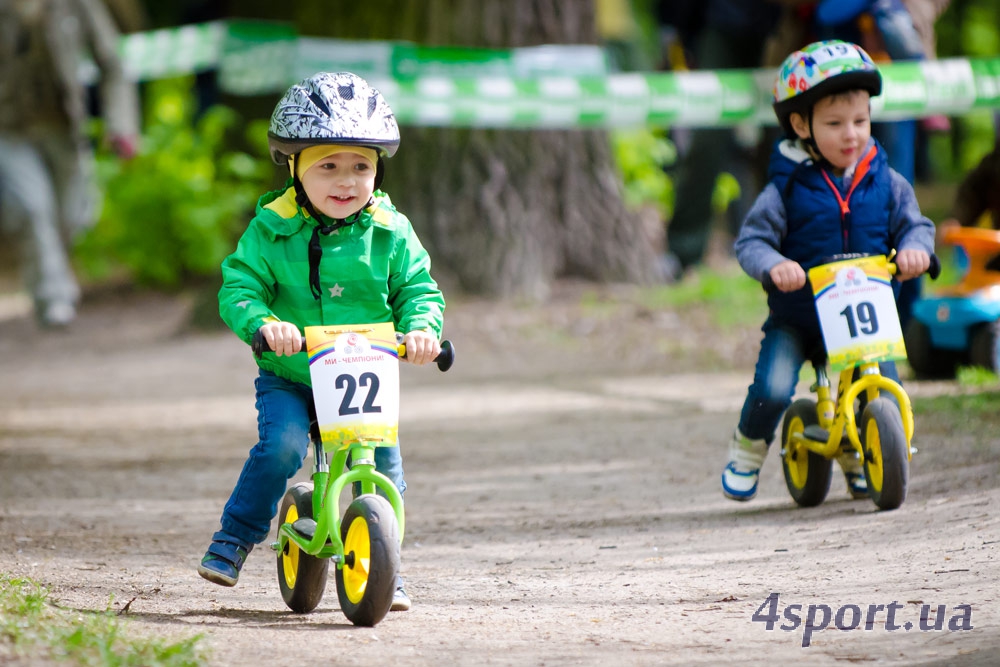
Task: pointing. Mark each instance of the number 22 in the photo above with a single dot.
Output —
(350, 386)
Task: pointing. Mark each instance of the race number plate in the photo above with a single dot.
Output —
(355, 377)
(857, 311)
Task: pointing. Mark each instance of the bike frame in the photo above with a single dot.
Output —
(837, 417)
(327, 486)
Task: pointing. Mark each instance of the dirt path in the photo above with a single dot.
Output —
(563, 505)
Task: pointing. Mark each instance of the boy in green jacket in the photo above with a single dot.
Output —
(330, 248)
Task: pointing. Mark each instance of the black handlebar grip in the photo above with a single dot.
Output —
(768, 283)
(259, 344)
(445, 360)
(934, 270)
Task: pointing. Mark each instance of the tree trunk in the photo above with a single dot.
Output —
(504, 212)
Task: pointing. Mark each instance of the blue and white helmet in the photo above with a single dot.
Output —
(332, 108)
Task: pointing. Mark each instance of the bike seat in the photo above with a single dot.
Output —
(305, 527)
(816, 432)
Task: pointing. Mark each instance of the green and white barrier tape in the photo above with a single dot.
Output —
(557, 86)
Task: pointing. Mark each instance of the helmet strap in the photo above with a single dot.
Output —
(321, 227)
(810, 142)
(302, 199)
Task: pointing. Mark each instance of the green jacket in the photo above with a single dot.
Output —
(374, 270)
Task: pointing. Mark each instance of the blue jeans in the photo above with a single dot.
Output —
(283, 417)
(782, 352)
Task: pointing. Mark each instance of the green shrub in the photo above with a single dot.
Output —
(174, 211)
(641, 156)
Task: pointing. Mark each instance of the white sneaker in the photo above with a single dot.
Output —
(746, 456)
(854, 473)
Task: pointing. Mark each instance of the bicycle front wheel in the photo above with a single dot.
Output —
(367, 580)
(887, 468)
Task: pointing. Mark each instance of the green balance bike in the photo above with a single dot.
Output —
(355, 376)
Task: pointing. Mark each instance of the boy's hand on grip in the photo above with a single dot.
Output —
(788, 276)
(284, 338)
(421, 347)
(911, 263)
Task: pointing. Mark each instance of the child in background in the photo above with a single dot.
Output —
(328, 248)
(830, 191)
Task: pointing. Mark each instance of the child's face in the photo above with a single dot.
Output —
(841, 126)
(340, 184)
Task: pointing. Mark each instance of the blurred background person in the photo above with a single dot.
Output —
(978, 194)
(716, 34)
(47, 189)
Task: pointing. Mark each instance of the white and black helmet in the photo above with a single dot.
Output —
(332, 108)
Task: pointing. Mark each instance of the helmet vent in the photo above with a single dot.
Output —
(346, 91)
(320, 102)
(372, 103)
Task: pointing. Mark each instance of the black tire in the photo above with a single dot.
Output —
(983, 348)
(887, 468)
(367, 581)
(301, 577)
(807, 474)
(926, 360)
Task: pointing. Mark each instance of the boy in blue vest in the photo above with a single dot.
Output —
(830, 191)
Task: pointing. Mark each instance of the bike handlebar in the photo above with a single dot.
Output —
(444, 360)
(934, 270)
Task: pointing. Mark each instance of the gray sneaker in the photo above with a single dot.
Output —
(56, 314)
(400, 600)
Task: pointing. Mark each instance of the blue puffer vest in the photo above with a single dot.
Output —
(821, 224)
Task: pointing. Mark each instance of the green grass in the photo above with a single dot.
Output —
(975, 413)
(976, 376)
(732, 297)
(33, 628)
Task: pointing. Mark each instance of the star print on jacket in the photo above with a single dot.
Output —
(336, 290)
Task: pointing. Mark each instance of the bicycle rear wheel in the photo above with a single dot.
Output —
(807, 474)
(301, 577)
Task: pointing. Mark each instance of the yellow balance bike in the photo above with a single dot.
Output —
(860, 325)
(355, 380)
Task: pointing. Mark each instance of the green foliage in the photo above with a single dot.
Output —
(641, 156)
(727, 190)
(38, 630)
(970, 28)
(173, 212)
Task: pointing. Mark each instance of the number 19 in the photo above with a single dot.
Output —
(865, 317)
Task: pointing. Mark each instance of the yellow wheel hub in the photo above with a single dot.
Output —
(873, 451)
(358, 543)
(290, 557)
(797, 456)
